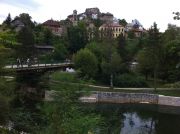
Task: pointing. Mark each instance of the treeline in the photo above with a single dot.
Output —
(121, 61)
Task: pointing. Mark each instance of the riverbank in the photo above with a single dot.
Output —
(119, 97)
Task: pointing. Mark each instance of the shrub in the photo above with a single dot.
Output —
(173, 85)
(86, 63)
(129, 80)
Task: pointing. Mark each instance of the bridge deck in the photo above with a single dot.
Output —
(38, 66)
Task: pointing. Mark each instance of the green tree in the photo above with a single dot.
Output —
(153, 50)
(144, 59)
(86, 62)
(171, 69)
(77, 37)
(131, 34)
(26, 20)
(121, 47)
(60, 52)
(123, 22)
(112, 67)
(6, 88)
(48, 37)
(26, 38)
(8, 20)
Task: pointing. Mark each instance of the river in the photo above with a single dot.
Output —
(138, 119)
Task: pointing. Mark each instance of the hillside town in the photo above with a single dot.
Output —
(90, 73)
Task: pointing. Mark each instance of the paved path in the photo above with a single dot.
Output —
(117, 88)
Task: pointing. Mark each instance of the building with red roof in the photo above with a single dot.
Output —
(54, 26)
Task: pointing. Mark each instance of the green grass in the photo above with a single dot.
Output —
(65, 77)
(69, 77)
(64, 80)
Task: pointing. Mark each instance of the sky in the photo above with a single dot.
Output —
(146, 11)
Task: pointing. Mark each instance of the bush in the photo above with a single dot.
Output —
(173, 85)
(86, 63)
(129, 80)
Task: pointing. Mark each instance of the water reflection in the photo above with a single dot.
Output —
(133, 124)
(137, 119)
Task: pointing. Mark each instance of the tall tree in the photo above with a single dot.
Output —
(86, 62)
(26, 38)
(154, 47)
(121, 47)
(8, 20)
(26, 20)
(77, 36)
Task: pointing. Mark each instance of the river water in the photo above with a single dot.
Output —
(138, 119)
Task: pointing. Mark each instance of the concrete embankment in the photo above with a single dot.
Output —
(118, 97)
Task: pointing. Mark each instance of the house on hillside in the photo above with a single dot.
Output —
(17, 24)
(106, 17)
(54, 26)
(44, 49)
(115, 28)
(136, 28)
(73, 18)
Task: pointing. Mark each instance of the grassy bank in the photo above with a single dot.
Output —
(61, 80)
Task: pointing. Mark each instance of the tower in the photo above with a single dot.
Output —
(75, 19)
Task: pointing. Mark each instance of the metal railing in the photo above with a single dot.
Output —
(38, 65)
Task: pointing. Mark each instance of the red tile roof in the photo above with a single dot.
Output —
(51, 23)
(111, 25)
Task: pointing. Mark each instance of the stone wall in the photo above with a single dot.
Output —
(116, 97)
(169, 100)
(119, 97)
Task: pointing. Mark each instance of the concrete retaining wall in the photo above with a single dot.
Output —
(115, 97)
(169, 100)
(119, 97)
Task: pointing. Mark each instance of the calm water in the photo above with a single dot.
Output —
(138, 119)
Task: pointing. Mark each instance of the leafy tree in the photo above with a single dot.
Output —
(121, 47)
(131, 34)
(48, 37)
(153, 51)
(123, 22)
(171, 33)
(77, 37)
(8, 20)
(26, 38)
(97, 22)
(144, 59)
(39, 34)
(112, 68)
(6, 88)
(171, 70)
(60, 52)
(26, 20)
(86, 62)
(97, 49)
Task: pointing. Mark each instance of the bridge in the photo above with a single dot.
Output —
(39, 67)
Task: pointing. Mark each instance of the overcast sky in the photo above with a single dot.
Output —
(146, 11)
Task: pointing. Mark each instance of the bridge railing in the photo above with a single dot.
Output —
(16, 66)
